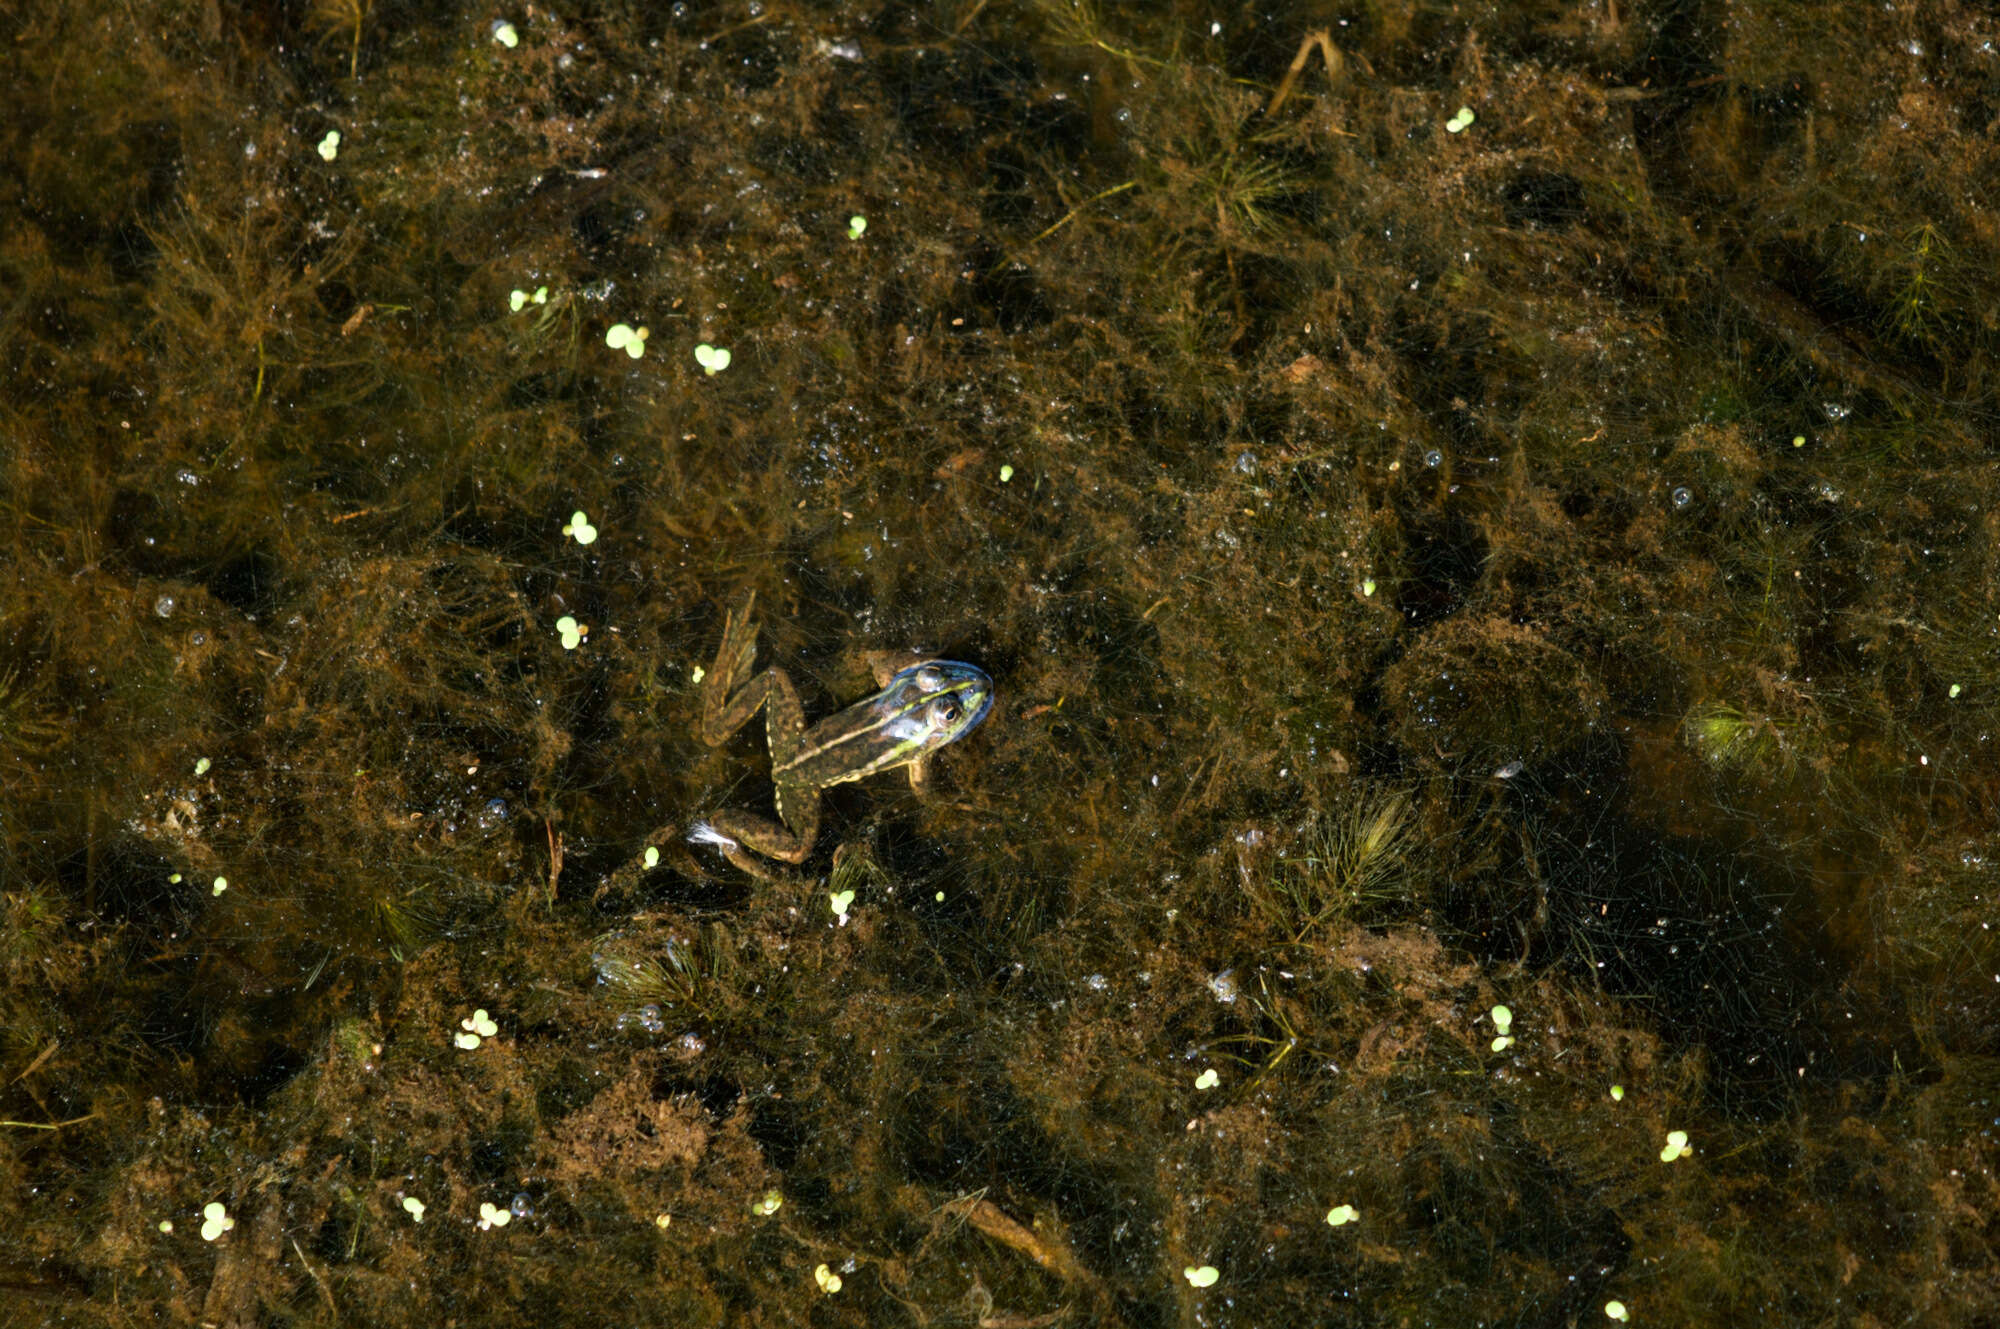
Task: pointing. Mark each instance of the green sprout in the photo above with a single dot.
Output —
(1205, 1276)
(476, 1027)
(713, 359)
(215, 1220)
(1503, 1020)
(1460, 122)
(504, 33)
(579, 528)
(624, 337)
(329, 147)
(856, 225)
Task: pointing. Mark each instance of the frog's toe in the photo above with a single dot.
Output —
(703, 833)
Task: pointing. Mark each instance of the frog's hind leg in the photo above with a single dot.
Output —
(751, 842)
(728, 696)
(736, 852)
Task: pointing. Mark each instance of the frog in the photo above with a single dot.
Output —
(919, 708)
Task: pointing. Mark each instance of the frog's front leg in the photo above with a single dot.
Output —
(885, 665)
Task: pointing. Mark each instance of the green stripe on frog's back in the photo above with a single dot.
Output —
(861, 740)
(846, 757)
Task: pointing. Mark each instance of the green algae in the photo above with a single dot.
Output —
(1409, 597)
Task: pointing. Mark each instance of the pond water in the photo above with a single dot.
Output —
(1481, 520)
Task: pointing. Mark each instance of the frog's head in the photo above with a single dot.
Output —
(939, 701)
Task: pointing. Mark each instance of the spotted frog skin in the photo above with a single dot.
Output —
(919, 709)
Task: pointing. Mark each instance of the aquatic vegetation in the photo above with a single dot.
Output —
(1727, 738)
(1487, 813)
(336, 19)
(1352, 864)
(671, 971)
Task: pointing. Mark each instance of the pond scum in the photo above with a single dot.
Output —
(1467, 506)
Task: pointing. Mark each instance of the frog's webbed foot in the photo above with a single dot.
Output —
(739, 643)
(726, 701)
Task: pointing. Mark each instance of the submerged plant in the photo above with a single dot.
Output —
(341, 18)
(1738, 741)
(1727, 738)
(1355, 860)
(681, 971)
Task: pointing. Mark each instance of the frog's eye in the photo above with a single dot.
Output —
(945, 712)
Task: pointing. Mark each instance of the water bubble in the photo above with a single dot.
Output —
(522, 1206)
(197, 638)
(649, 1016)
(1433, 458)
(1682, 496)
(692, 1043)
(494, 813)
(1246, 462)
(164, 606)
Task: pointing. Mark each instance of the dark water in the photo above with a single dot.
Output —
(1497, 513)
